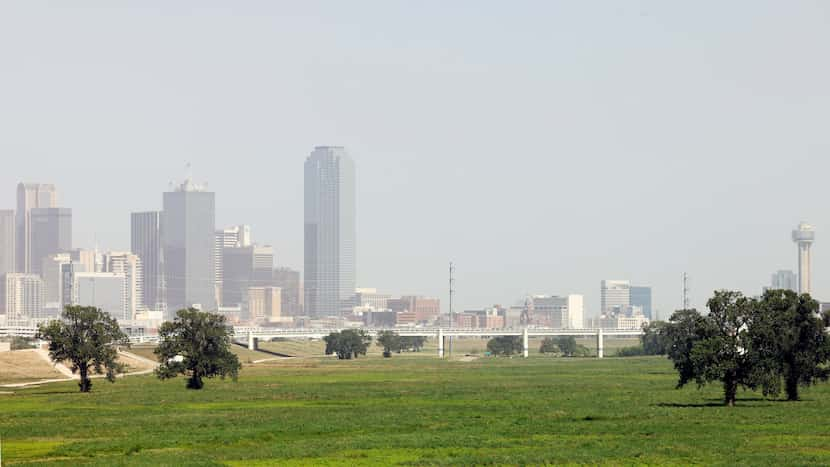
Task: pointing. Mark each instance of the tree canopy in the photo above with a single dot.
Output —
(88, 338)
(505, 345)
(196, 344)
(755, 344)
(347, 344)
(789, 334)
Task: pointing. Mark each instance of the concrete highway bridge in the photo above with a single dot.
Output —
(251, 335)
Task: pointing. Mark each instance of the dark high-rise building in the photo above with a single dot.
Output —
(329, 231)
(289, 281)
(50, 232)
(189, 233)
(244, 267)
(29, 196)
(146, 242)
(641, 296)
(7, 237)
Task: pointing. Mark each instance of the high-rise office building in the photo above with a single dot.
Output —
(615, 296)
(128, 265)
(52, 274)
(29, 196)
(641, 297)
(103, 290)
(230, 237)
(329, 231)
(146, 243)
(188, 239)
(23, 296)
(784, 280)
(288, 280)
(7, 241)
(804, 236)
(50, 232)
(262, 304)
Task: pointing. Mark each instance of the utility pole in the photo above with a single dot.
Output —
(452, 292)
(685, 293)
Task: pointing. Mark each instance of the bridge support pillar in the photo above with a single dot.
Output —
(440, 343)
(251, 342)
(524, 343)
(599, 344)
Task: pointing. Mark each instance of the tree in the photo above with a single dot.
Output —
(348, 343)
(789, 335)
(717, 347)
(390, 341)
(196, 344)
(87, 337)
(654, 340)
(505, 345)
(548, 346)
(412, 343)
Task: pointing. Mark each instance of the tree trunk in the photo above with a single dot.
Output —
(195, 381)
(792, 388)
(85, 384)
(730, 389)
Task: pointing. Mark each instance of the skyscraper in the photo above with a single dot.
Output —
(615, 296)
(104, 290)
(784, 279)
(7, 235)
(129, 266)
(29, 196)
(23, 296)
(231, 237)
(329, 231)
(189, 235)
(50, 232)
(288, 280)
(146, 242)
(804, 236)
(641, 296)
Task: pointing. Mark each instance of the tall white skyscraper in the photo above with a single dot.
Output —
(804, 236)
(329, 231)
(615, 295)
(30, 196)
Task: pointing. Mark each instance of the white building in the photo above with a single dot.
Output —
(128, 265)
(22, 296)
(615, 295)
(565, 312)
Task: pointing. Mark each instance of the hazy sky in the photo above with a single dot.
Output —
(542, 146)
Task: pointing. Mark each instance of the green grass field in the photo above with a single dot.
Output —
(414, 411)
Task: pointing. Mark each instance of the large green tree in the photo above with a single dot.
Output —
(717, 347)
(505, 345)
(653, 339)
(390, 341)
(347, 344)
(790, 336)
(196, 344)
(88, 338)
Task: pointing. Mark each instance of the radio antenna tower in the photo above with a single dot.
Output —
(685, 296)
(452, 293)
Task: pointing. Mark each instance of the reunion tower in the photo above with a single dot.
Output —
(804, 237)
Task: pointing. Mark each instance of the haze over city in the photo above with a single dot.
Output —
(541, 147)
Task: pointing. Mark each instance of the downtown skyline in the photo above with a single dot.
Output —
(646, 142)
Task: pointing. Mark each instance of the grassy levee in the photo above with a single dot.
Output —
(414, 411)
